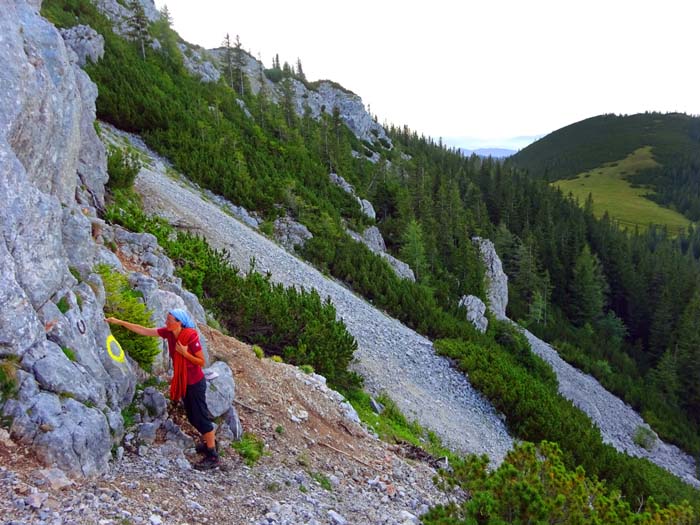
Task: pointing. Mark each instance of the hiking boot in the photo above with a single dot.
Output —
(208, 463)
(201, 448)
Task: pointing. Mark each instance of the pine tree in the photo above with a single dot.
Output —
(138, 26)
(587, 289)
(689, 356)
(300, 71)
(413, 249)
(239, 65)
(228, 59)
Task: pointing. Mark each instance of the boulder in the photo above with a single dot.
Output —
(290, 233)
(221, 388)
(476, 310)
(154, 402)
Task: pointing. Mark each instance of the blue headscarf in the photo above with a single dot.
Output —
(182, 316)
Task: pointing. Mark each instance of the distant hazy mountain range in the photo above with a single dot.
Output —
(498, 153)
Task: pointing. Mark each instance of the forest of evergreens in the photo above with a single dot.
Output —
(620, 305)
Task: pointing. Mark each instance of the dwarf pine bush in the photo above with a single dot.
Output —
(122, 302)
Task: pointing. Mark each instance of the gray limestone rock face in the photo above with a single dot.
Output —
(367, 208)
(497, 280)
(56, 372)
(154, 402)
(374, 240)
(401, 269)
(77, 239)
(198, 64)
(85, 42)
(118, 14)
(476, 310)
(62, 432)
(290, 233)
(20, 327)
(221, 389)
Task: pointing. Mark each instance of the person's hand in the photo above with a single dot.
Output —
(112, 320)
(180, 348)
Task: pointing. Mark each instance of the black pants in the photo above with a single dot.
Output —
(196, 407)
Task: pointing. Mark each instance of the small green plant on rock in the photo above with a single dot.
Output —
(250, 447)
(8, 378)
(70, 354)
(63, 305)
(322, 480)
(259, 353)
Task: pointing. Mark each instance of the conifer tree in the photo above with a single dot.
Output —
(138, 26)
(587, 289)
(689, 356)
(239, 64)
(413, 249)
(300, 71)
(228, 59)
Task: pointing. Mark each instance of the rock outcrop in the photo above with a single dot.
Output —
(364, 204)
(497, 280)
(372, 238)
(70, 380)
(291, 234)
(321, 97)
(476, 310)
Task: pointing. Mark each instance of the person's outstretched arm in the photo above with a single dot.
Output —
(136, 328)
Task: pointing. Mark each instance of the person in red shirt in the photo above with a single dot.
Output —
(188, 380)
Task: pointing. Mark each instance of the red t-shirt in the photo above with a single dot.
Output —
(194, 372)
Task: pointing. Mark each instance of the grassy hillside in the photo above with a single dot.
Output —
(612, 192)
(593, 147)
(607, 138)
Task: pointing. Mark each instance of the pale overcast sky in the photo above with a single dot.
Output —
(477, 73)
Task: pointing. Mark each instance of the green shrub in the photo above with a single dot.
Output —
(259, 352)
(122, 166)
(307, 369)
(277, 359)
(70, 354)
(129, 415)
(63, 305)
(8, 378)
(322, 480)
(644, 437)
(250, 447)
(534, 485)
(123, 303)
(75, 273)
